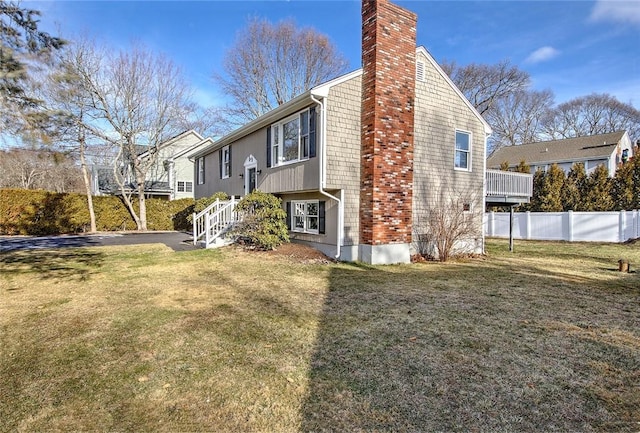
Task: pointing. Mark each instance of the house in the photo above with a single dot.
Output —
(170, 177)
(361, 162)
(609, 150)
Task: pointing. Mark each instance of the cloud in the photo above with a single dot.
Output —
(542, 55)
(617, 11)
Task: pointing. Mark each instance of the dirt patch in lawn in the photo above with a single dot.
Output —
(299, 253)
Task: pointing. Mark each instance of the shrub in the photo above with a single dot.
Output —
(263, 223)
(36, 212)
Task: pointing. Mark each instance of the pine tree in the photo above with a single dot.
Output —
(598, 196)
(547, 187)
(626, 185)
(574, 188)
(523, 167)
(22, 47)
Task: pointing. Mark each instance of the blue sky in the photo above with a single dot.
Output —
(572, 47)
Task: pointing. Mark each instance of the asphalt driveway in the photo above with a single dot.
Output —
(178, 241)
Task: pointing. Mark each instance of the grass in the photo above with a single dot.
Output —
(144, 339)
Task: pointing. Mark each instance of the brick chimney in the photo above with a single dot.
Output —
(388, 93)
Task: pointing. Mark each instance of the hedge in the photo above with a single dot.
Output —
(36, 212)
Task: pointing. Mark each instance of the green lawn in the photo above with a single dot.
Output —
(146, 339)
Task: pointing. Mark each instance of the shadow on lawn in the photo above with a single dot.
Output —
(413, 350)
(49, 264)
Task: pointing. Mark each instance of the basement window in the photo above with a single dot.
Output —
(305, 216)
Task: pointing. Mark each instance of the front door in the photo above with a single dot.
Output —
(251, 179)
(250, 174)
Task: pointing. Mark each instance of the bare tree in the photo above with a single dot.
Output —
(517, 118)
(269, 65)
(38, 169)
(484, 85)
(591, 115)
(66, 94)
(450, 225)
(135, 97)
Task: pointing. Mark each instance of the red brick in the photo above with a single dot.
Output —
(388, 94)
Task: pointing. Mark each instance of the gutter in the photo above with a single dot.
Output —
(323, 158)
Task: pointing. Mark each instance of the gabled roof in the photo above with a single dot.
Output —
(443, 74)
(290, 107)
(570, 149)
(168, 142)
(308, 97)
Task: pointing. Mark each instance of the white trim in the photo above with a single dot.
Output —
(225, 173)
(322, 90)
(305, 216)
(469, 151)
(249, 163)
(279, 126)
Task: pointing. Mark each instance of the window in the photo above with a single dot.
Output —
(185, 186)
(200, 170)
(225, 162)
(290, 139)
(305, 216)
(463, 151)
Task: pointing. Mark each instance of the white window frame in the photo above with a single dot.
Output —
(467, 152)
(181, 186)
(188, 186)
(303, 138)
(300, 213)
(226, 162)
(200, 170)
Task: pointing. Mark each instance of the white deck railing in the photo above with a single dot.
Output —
(508, 184)
(214, 221)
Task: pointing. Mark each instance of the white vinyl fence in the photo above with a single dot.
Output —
(565, 226)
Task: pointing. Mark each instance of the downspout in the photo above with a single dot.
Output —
(322, 156)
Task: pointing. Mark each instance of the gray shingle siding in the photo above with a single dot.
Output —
(343, 151)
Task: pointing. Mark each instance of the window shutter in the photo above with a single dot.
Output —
(312, 132)
(220, 161)
(230, 164)
(269, 146)
(288, 205)
(321, 219)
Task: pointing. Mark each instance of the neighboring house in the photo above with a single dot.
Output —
(171, 177)
(360, 161)
(609, 150)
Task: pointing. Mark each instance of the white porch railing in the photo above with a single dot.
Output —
(508, 184)
(214, 221)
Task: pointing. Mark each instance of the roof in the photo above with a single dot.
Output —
(599, 146)
(295, 104)
(168, 142)
(309, 97)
